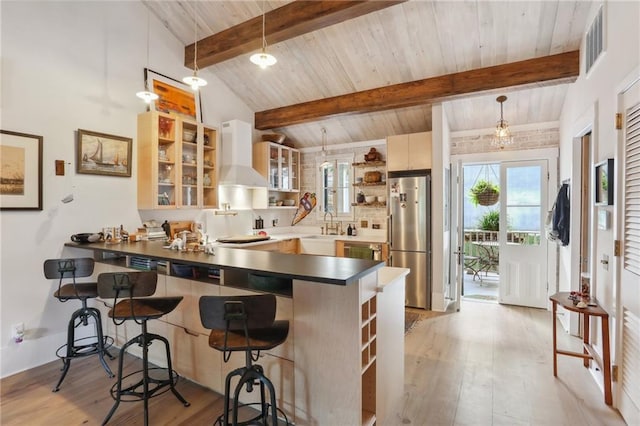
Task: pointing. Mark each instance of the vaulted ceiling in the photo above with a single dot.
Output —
(404, 42)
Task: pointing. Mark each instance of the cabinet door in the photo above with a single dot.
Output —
(158, 158)
(419, 151)
(208, 176)
(295, 170)
(189, 158)
(397, 152)
(193, 358)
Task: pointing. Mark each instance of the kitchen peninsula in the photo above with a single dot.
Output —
(343, 362)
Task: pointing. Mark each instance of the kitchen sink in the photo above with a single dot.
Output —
(323, 245)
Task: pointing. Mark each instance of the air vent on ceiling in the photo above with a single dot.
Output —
(594, 44)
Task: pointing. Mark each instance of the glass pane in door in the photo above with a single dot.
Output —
(523, 205)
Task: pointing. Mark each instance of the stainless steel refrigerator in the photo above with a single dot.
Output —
(410, 232)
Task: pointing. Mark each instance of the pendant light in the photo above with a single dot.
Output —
(324, 152)
(263, 59)
(502, 136)
(147, 95)
(193, 80)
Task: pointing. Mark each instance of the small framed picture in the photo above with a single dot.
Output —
(20, 171)
(174, 96)
(103, 154)
(604, 183)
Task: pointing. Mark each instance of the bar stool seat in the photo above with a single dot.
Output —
(134, 289)
(97, 344)
(245, 324)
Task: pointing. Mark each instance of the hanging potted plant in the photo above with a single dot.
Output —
(484, 193)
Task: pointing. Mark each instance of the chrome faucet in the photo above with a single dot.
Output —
(330, 228)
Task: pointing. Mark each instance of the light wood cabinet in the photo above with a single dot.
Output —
(289, 245)
(176, 162)
(409, 152)
(280, 165)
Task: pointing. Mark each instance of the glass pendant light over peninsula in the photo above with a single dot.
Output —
(147, 95)
(193, 80)
(502, 136)
(262, 58)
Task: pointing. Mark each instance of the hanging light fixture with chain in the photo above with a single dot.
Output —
(262, 58)
(193, 80)
(502, 136)
(146, 94)
(324, 146)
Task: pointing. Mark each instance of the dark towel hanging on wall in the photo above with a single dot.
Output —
(561, 214)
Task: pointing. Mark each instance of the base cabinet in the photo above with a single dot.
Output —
(193, 358)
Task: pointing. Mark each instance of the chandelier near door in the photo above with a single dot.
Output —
(502, 136)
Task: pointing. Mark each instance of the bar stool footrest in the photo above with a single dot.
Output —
(135, 392)
(81, 350)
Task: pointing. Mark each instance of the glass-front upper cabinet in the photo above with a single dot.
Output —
(176, 162)
(279, 164)
(189, 163)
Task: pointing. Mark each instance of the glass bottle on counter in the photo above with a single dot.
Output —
(349, 230)
(353, 230)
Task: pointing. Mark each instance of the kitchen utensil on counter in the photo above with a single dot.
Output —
(369, 199)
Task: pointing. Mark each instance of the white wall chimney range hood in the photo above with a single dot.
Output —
(236, 155)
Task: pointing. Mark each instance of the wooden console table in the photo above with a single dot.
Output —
(589, 353)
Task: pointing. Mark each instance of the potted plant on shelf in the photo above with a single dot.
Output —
(484, 193)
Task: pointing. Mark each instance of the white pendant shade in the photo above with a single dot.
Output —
(263, 59)
(194, 81)
(147, 96)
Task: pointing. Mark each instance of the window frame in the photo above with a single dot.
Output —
(335, 158)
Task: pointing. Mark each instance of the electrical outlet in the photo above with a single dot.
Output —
(605, 262)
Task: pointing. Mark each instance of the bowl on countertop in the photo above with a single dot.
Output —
(289, 203)
(382, 198)
(369, 198)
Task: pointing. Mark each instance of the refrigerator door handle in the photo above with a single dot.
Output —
(390, 228)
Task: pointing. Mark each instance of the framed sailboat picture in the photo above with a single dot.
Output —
(103, 154)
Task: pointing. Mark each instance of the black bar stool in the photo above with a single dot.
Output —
(134, 289)
(65, 269)
(247, 324)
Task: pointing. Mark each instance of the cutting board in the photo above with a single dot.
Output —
(240, 239)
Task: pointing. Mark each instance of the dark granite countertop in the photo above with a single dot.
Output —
(322, 269)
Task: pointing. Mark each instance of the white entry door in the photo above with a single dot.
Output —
(629, 296)
(522, 248)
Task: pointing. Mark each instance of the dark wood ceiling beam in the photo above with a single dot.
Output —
(547, 70)
(286, 22)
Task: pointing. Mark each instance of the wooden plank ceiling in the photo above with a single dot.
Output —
(401, 43)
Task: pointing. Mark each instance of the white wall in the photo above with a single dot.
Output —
(65, 66)
(592, 103)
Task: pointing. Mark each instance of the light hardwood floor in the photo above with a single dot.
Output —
(486, 365)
